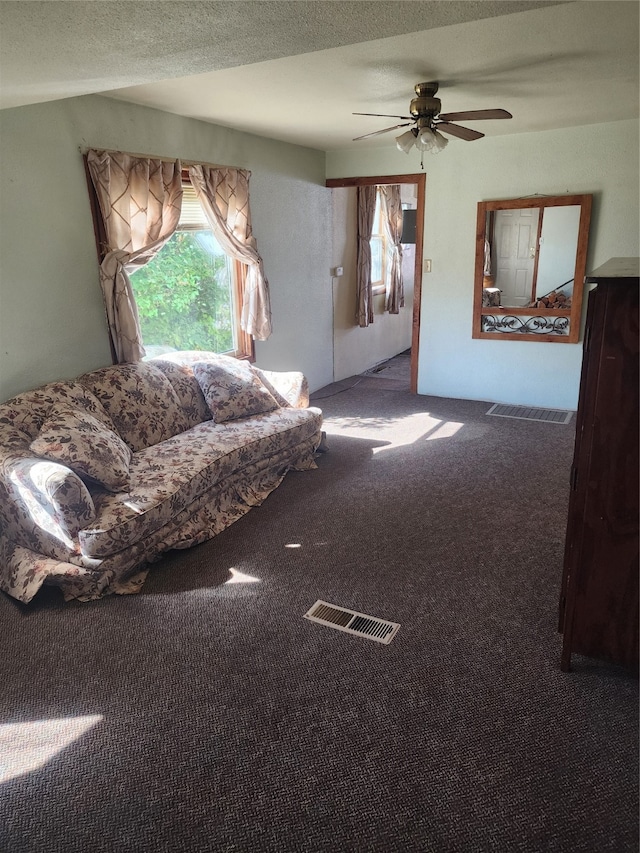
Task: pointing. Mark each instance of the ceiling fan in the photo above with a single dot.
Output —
(429, 123)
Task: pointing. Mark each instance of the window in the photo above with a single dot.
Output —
(189, 296)
(378, 243)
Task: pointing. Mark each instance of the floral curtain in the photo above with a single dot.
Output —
(224, 195)
(392, 220)
(140, 199)
(366, 203)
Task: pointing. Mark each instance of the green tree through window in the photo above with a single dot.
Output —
(189, 297)
(185, 295)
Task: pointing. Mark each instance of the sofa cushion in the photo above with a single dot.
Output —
(29, 410)
(43, 503)
(85, 445)
(140, 401)
(187, 389)
(280, 399)
(232, 390)
(289, 388)
(12, 439)
(169, 476)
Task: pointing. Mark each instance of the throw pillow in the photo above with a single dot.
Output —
(277, 396)
(232, 390)
(87, 446)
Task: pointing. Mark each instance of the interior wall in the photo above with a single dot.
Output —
(52, 322)
(357, 349)
(599, 159)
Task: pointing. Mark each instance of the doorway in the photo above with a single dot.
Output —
(348, 334)
(516, 240)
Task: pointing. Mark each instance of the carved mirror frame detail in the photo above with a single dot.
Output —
(553, 325)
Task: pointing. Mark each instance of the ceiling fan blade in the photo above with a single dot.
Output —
(474, 115)
(383, 115)
(385, 130)
(456, 130)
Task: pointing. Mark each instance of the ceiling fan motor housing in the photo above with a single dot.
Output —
(425, 107)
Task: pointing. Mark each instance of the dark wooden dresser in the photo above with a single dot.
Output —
(599, 597)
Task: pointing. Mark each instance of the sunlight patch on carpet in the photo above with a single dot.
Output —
(394, 432)
(445, 430)
(240, 577)
(25, 747)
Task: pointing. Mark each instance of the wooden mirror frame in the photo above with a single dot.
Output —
(572, 314)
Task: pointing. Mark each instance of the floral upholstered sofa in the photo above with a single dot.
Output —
(102, 474)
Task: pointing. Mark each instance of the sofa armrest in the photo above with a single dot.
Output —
(291, 386)
(39, 497)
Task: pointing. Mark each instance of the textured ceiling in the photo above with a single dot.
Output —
(63, 48)
(297, 71)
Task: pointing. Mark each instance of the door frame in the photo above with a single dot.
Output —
(420, 181)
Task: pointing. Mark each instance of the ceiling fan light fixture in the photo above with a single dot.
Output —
(431, 140)
(426, 139)
(440, 142)
(406, 141)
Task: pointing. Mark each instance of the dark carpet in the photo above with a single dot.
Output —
(206, 714)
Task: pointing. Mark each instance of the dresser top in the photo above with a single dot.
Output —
(616, 268)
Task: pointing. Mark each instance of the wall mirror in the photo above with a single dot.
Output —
(531, 258)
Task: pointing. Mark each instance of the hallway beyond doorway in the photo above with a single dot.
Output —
(391, 375)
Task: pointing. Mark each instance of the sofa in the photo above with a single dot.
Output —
(101, 475)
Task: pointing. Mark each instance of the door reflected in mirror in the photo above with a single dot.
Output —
(530, 268)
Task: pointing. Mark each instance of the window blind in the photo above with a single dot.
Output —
(191, 213)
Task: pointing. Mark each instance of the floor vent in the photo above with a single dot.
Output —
(528, 413)
(352, 622)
